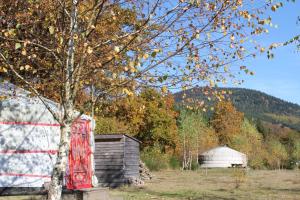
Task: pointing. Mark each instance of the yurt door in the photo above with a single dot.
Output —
(79, 175)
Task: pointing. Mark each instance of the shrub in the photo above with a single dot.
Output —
(110, 125)
(154, 158)
(195, 165)
(174, 162)
(239, 175)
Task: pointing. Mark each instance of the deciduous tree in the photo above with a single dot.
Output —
(195, 137)
(226, 121)
(63, 47)
(277, 153)
(149, 116)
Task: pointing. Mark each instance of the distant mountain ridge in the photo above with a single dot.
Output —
(254, 104)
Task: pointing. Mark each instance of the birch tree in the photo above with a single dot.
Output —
(195, 137)
(59, 48)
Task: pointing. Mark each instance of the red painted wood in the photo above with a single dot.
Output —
(80, 174)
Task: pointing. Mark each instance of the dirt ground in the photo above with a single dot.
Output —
(217, 184)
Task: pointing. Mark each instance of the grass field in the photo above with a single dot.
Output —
(211, 185)
(216, 184)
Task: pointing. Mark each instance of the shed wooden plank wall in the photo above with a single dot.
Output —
(116, 159)
(109, 161)
(132, 157)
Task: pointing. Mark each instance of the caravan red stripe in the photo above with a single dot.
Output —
(29, 123)
(28, 151)
(25, 175)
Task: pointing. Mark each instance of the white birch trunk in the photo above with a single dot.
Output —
(197, 153)
(190, 160)
(184, 153)
(55, 187)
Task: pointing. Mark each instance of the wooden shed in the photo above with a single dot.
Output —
(117, 159)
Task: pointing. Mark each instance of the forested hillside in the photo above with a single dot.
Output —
(254, 104)
(173, 136)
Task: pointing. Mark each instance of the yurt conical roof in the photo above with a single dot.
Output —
(222, 150)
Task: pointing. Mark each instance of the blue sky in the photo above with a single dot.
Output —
(280, 76)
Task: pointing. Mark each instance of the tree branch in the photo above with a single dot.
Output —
(35, 44)
(11, 67)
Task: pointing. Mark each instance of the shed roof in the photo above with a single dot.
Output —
(113, 136)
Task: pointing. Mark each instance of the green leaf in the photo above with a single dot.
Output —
(160, 79)
(18, 45)
(165, 77)
(153, 54)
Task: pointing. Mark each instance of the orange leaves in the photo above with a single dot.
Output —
(245, 14)
(227, 121)
(3, 69)
(3, 97)
(127, 92)
(122, 47)
(276, 6)
(164, 89)
(239, 2)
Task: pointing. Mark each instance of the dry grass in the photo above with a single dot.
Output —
(210, 185)
(35, 197)
(216, 184)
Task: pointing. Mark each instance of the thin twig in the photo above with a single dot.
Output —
(11, 67)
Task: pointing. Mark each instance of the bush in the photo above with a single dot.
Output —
(154, 158)
(240, 176)
(110, 125)
(257, 162)
(174, 162)
(195, 165)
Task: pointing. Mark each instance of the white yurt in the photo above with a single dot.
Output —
(222, 157)
(29, 139)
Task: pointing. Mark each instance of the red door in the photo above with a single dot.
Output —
(79, 175)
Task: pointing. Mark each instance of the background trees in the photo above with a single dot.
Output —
(250, 142)
(277, 153)
(148, 116)
(61, 48)
(226, 121)
(195, 137)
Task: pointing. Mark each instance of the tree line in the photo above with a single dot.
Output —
(174, 136)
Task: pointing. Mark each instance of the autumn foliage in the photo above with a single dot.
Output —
(226, 121)
(66, 49)
(148, 116)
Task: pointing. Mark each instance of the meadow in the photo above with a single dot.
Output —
(213, 184)
(217, 184)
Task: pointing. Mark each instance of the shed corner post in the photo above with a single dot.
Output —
(124, 153)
